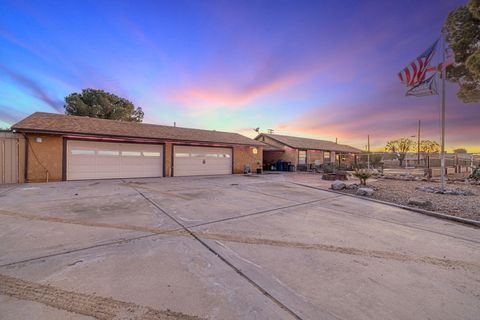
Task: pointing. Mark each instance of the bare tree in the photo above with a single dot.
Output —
(400, 147)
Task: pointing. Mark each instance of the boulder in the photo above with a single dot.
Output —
(364, 192)
(419, 202)
(338, 185)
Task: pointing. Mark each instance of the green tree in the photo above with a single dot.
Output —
(100, 104)
(460, 150)
(463, 35)
(400, 147)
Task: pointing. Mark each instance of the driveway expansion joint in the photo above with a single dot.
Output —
(223, 259)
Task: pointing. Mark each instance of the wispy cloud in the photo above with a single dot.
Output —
(34, 88)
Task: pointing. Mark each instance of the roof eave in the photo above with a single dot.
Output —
(39, 131)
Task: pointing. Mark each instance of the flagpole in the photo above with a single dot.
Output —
(442, 156)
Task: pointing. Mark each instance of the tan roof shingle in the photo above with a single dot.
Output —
(65, 124)
(310, 144)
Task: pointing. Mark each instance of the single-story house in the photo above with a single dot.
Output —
(62, 147)
(304, 153)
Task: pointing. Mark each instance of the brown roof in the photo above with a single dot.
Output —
(64, 124)
(310, 144)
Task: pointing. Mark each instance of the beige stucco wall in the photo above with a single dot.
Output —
(44, 158)
(243, 155)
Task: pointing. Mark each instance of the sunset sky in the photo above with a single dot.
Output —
(321, 69)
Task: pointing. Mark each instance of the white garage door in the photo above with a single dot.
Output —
(106, 160)
(195, 161)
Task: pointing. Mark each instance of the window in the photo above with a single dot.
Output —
(302, 157)
(108, 153)
(151, 154)
(225, 155)
(131, 153)
(182, 155)
(212, 155)
(326, 157)
(76, 152)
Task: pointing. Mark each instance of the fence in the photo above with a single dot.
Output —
(12, 157)
(455, 163)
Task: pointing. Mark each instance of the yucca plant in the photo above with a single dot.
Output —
(363, 175)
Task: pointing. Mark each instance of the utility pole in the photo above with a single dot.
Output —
(368, 154)
(418, 144)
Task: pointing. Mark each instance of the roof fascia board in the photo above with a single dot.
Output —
(127, 137)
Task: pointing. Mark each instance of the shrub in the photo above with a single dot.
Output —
(363, 175)
(475, 174)
(329, 168)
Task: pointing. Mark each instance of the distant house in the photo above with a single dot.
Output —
(304, 153)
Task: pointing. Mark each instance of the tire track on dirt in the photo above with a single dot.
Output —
(85, 304)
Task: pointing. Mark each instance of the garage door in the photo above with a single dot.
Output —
(195, 161)
(106, 160)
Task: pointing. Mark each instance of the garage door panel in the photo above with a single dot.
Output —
(194, 160)
(104, 160)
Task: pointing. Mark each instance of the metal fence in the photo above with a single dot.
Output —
(455, 163)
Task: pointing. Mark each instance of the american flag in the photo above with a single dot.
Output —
(415, 72)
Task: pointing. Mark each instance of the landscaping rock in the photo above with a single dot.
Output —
(338, 185)
(455, 192)
(419, 202)
(353, 186)
(364, 192)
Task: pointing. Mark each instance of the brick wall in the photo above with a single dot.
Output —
(245, 156)
(44, 158)
(168, 149)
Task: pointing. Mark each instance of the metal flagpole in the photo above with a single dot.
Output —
(442, 159)
(418, 144)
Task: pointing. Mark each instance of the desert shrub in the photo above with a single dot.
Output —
(329, 168)
(363, 175)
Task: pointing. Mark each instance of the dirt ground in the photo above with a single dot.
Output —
(457, 205)
(400, 191)
(227, 247)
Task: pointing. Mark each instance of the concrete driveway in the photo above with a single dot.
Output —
(227, 247)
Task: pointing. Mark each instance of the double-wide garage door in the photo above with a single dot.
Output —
(195, 161)
(106, 160)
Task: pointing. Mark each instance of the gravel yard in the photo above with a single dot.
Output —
(399, 191)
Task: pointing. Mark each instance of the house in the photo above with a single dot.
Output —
(304, 153)
(62, 147)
